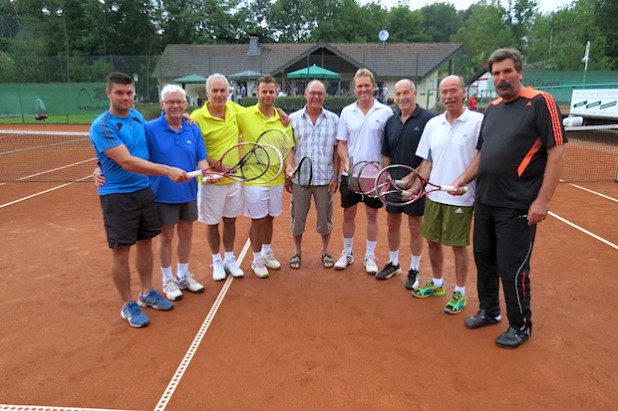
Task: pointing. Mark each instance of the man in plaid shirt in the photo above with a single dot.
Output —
(315, 132)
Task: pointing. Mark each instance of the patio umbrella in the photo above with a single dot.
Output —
(245, 76)
(314, 72)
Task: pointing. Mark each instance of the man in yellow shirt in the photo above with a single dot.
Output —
(223, 201)
(263, 201)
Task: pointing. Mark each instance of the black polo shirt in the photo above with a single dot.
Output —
(513, 144)
(401, 139)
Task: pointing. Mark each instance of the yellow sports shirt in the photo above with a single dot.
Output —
(251, 123)
(219, 133)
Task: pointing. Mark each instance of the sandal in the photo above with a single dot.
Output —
(327, 260)
(295, 261)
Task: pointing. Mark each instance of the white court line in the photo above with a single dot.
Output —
(10, 407)
(42, 192)
(583, 230)
(184, 364)
(594, 192)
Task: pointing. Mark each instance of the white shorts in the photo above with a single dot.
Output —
(215, 201)
(263, 201)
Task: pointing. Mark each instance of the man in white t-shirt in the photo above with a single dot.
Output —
(359, 135)
(448, 146)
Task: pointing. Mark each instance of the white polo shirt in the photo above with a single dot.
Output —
(450, 148)
(364, 133)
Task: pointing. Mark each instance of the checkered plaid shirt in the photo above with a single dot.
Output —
(316, 141)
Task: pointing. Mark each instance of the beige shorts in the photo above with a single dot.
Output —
(263, 201)
(216, 201)
(300, 204)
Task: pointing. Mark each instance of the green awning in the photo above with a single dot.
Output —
(191, 78)
(314, 72)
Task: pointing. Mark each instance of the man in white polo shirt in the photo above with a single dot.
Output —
(359, 135)
(448, 146)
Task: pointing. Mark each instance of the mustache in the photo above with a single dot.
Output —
(503, 84)
(450, 100)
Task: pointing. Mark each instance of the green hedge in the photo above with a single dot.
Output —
(292, 104)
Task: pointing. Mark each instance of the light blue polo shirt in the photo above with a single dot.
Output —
(108, 131)
(182, 149)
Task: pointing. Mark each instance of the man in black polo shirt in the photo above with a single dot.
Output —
(401, 136)
(518, 168)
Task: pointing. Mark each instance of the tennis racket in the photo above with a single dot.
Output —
(388, 185)
(303, 173)
(242, 162)
(362, 177)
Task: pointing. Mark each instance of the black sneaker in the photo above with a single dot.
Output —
(388, 271)
(482, 319)
(514, 337)
(412, 281)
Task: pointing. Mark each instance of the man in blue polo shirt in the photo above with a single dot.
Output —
(173, 142)
(119, 139)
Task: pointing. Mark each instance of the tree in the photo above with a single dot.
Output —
(405, 25)
(441, 21)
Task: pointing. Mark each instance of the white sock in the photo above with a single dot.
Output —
(257, 256)
(347, 245)
(415, 263)
(371, 248)
(182, 270)
(216, 258)
(462, 290)
(167, 274)
(265, 248)
(229, 256)
(438, 282)
(393, 256)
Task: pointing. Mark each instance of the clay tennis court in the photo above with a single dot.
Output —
(308, 339)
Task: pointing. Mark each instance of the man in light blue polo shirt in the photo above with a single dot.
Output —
(173, 142)
(119, 139)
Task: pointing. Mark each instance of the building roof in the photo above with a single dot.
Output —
(416, 60)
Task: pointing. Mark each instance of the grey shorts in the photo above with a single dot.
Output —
(171, 214)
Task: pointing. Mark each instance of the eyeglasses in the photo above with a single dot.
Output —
(316, 94)
(175, 102)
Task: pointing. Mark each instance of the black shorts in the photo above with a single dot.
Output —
(415, 209)
(130, 217)
(350, 198)
(171, 214)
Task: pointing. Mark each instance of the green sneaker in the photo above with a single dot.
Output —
(429, 290)
(456, 303)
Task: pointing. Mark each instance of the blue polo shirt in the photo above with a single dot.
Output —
(182, 149)
(108, 131)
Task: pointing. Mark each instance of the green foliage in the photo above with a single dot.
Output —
(292, 104)
(73, 29)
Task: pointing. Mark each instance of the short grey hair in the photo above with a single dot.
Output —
(216, 76)
(173, 88)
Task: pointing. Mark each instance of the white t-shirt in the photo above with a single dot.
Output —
(364, 133)
(450, 148)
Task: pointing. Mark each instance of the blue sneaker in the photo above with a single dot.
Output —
(134, 315)
(155, 300)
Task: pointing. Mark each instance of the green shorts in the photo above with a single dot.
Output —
(447, 224)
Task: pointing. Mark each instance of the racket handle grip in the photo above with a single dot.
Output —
(195, 173)
(451, 188)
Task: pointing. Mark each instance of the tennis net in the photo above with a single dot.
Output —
(591, 154)
(45, 156)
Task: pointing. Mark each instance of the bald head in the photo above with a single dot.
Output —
(452, 95)
(405, 96)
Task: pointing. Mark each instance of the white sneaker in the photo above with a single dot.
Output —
(231, 266)
(189, 283)
(171, 290)
(344, 260)
(270, 260)
(370, 265)
(259, 268)
(218, 271)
